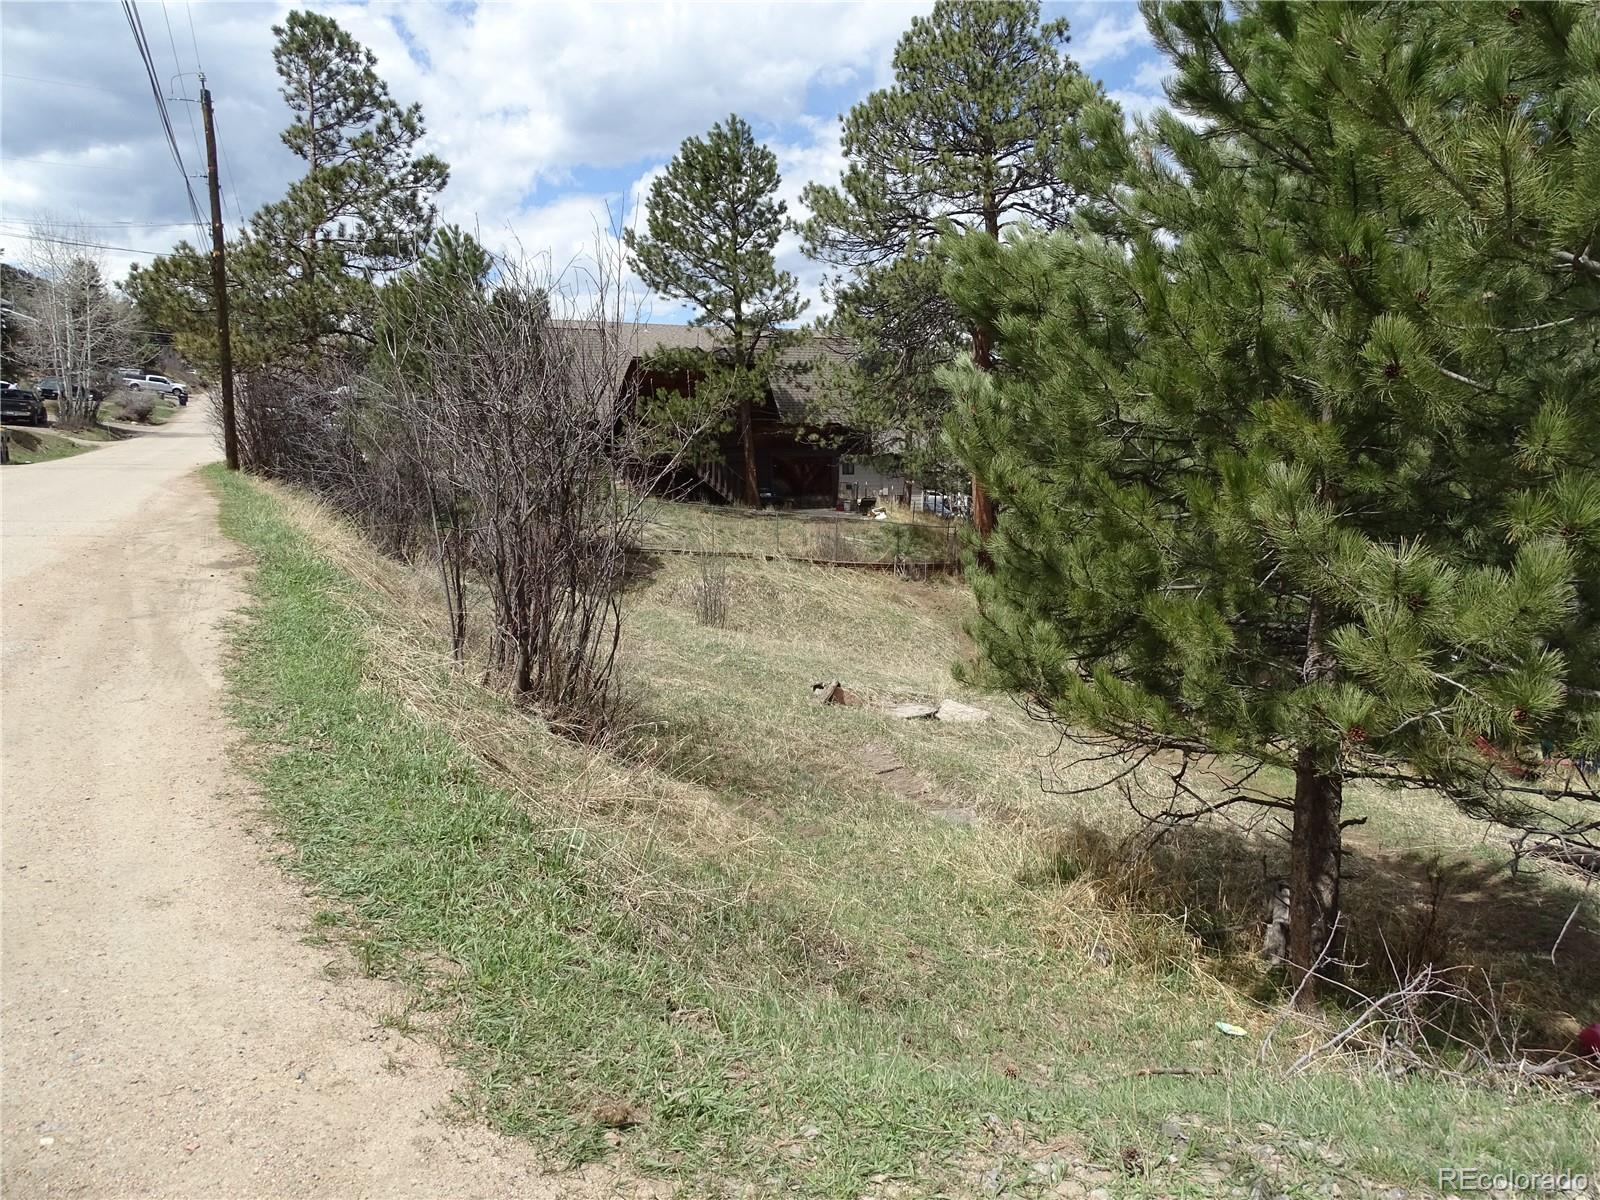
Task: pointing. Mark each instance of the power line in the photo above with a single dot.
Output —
(50, 162)
(233, 191)
(59, 241)
(194, 134)
(142, 44)
(88, 87)
(193, 41)
(227, 165)
(76, 224)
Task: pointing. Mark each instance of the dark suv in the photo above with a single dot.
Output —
(23, 407)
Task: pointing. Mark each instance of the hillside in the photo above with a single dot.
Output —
(760, 945)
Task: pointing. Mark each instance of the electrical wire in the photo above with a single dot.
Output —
(50, 162)
(188, 7)
(194, 134)
(58, 241)
(76, 224)
(232, 192)
(142, 44)
(88, 87)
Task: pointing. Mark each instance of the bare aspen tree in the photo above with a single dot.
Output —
(77, 330)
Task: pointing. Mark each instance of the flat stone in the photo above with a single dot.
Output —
(958, 713)
(912, 712)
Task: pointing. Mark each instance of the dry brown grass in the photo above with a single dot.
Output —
(1026, 937)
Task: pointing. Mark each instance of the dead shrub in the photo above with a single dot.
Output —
(711, 591)
(829, 543)
(483, 437)
(138, 407)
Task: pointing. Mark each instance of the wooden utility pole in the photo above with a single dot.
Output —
(219, 284)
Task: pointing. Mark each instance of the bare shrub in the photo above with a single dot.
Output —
(485, 435)
(830, 544)
(910, 570)
(138, 407)
(505, 395)
(320, 433)
(711, 592)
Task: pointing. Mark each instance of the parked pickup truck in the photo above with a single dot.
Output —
(19, 405)
(158, 383)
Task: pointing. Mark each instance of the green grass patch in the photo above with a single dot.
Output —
(38, 445)
(728, 952)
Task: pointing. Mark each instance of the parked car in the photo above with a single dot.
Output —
(48, 388)
(22, 407)
(159, 383)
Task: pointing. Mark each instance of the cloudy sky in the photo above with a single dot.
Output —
(551, 115)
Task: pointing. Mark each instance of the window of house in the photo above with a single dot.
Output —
(846, 467)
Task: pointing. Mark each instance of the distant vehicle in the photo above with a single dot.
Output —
(22, 407)
(49, 388)
(158, 383)
(937, 503)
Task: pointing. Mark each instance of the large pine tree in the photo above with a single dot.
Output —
(713, 220)
(972, 134)
(303, 275)
(1297, 456)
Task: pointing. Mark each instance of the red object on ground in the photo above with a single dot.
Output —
(1589, 1041)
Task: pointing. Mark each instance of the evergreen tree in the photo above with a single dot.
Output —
(1297, 453)
(972, 134)
(302, 276)
(713, 220)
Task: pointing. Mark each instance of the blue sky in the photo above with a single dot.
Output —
(551, 115)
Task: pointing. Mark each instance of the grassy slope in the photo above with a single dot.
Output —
(36, 446)
(788, 973)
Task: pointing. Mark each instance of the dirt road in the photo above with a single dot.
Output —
(167, 1030)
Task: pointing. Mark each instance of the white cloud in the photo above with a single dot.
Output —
(544, 112)
(1152, 74)
(1137, 104)
(520, 100)
(1111, 37)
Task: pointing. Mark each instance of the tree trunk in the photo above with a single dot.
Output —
(752, 490)
(982, 506)
(1314, 874)
(983, 355)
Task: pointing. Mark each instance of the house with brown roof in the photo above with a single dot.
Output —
(797, 437)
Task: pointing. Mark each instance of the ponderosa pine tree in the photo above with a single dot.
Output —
(302, 277)
(1298, 459)
(713, 220)
(971, 134)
